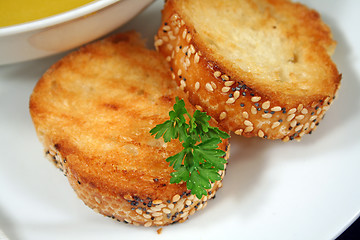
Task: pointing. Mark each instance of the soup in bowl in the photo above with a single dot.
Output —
(31, 29)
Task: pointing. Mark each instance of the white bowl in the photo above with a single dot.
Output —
(65, 31)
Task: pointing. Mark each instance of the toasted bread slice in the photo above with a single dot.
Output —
(93, 111)
(259, 67)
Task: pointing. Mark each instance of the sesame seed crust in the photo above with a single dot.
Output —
(274, 116)
(133, 209)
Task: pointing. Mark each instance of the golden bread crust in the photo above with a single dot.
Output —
(259, 67)
(93, 111)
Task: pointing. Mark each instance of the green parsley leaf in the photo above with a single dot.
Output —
(200, 161)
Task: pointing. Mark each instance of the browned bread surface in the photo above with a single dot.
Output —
(93, 111)
(260, 67)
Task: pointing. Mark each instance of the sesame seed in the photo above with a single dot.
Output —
(239, 131)
(236, 94)
(266, 115)
(138, 211)
(156, 214)
(196, 58)
(184, 33)
(266, 105)
(312, 118)
(176, 198)
(286, 139)
(128, 197)
(255, 99)
(293, 123)
(253, 110)
(298, 128)
(213, 85)
(165, 38)
(184, 215)
(276, 109)
(300, 107)
(147, 224)
(222, 115)
(192, 211)
(319, 111)
(275, 125)
(154, 209)
(304, 111)
(159, 42)
(173, 75)
(147, 216)
(225, 89)
(166, 28)
(299, 117)
(174, 17)
(158, 201)
(291, 111)
(245, 114)
(230, 100)
(176, 30)
(248, 129)
(197, 86)
(188, 202)
(327, 99)
(261, 133)
(168, 58)
(312, 125)
(187, 62)
(182, 84)
(179, 72)
(209, 87)
(225, 77)
(198, 107)
(188, 37)
(192, 49)
(290, 117)
(229, 83)
(248, 123)
(217, 74)
(166, 210)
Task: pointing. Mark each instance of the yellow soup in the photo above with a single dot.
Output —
(20, 11)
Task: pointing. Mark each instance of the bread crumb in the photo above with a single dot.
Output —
(159, 231)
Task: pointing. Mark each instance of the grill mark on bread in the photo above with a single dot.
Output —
(112, 162)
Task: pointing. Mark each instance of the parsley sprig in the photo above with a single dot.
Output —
(200, 160)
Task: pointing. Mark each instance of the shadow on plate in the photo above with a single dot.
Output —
(7, 226)
(344, 107)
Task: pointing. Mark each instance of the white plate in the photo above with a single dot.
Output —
(272, 190)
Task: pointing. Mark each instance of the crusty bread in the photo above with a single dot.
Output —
(259, 67)
(93, 111)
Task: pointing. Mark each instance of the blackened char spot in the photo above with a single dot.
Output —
(111, 106)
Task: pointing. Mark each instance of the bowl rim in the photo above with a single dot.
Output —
(69, 15)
